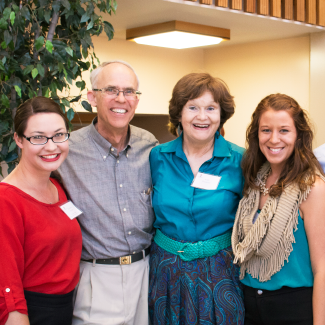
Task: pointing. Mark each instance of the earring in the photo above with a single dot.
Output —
(179, 131)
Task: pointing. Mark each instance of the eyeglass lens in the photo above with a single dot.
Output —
(60, 137)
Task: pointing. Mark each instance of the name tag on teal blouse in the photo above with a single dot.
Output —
(206, 181)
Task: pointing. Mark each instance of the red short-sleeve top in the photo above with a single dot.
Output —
(40, 248)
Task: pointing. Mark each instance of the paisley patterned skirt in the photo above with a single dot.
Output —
(206, 291)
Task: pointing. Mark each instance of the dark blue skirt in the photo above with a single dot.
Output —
(206, 291)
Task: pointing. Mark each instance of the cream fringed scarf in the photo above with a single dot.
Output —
(261, 248)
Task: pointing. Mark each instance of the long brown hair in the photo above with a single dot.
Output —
(193, 86)
(302, 161)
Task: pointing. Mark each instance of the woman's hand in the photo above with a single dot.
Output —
(313, 210)
(16, 318)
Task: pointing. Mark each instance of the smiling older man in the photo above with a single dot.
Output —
(107, 175)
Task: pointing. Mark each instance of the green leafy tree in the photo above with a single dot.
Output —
(45, 45)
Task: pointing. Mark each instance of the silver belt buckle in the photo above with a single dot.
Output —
(124, 260)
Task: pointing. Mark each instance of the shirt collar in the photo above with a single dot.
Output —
(221, 148)
(105, 145)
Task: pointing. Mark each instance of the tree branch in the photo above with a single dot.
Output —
(13, 102)
(37, 34)
(54, 22)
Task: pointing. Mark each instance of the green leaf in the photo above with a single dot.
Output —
(65, 72)
(6, 13)
(4, 126)
(75, 99)
(114, 7)
(53, 87)
(11, 167)
(4, 45)
(39, 42)
(49, 46)
(56, 6)
(69, 50)
(11, 157)
(12, 146)
(28, 69)
(62, 108)
(108, 29)
(12, 17)
(47, 15)
(70, 114)
(18, 90)
(3, 23)
(86, 106)
(25, 13)
(2, 67)
(5, 100)
(84, 18)
(65, 102)
(90, 25)
(84, 53)
(47, 93)
(7, 37)
(32, 93)
(75, 69)
(34, 73)
(81, 85)
(15, 7)
(66, 4)
(2, 111)
(40, 69)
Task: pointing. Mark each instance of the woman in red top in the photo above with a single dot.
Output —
(40, 243)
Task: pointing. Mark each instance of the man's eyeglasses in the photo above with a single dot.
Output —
(42, 139)
(114, 92)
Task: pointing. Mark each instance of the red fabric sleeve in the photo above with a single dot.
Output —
(12, 258)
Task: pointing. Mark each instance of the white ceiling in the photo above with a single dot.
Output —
(245, 28)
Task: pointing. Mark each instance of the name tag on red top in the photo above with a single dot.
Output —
(70, 210)
(206, 181)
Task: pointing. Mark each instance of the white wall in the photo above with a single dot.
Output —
(253, 71)
(317, 85)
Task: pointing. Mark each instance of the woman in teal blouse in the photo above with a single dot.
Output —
(197, 184)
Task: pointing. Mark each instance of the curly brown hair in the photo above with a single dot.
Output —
(194, 85)
(302, 161)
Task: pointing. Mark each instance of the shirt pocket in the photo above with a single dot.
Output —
(146, 199)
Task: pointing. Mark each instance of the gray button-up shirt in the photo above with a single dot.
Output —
(112, 191)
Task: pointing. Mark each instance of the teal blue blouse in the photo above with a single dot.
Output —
(187, 213)
(296, 272)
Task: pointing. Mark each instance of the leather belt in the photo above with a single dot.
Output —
(124, 260)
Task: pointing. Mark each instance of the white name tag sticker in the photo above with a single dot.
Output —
(206, 181)
(70, 210)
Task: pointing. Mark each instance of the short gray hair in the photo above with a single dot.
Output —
(95, 73)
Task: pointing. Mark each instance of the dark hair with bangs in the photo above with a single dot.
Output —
(302, 161)
(33, 106)
(193, 86)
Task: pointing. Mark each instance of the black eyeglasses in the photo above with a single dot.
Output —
(114, 92)
(42, 139)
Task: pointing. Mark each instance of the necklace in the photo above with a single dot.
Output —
(263, 189)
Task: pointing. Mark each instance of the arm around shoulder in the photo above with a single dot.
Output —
(313, 210)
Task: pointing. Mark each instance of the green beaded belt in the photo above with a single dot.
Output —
(192, 251)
